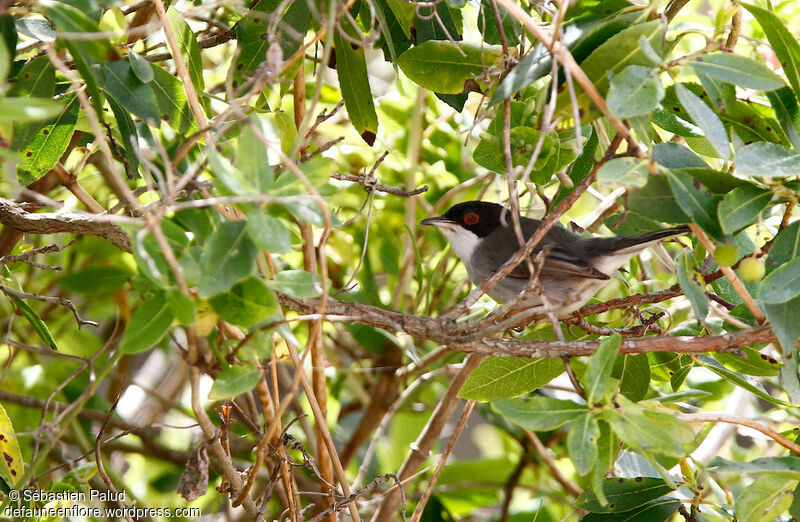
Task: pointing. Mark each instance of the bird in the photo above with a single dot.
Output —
(575, 267)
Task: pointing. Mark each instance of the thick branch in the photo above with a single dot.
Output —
(447, 332)
(14, 216)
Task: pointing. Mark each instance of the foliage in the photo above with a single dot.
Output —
(215, 293)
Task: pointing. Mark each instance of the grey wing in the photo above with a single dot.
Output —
(563, 259)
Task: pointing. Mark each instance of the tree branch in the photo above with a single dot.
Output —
(13, 215)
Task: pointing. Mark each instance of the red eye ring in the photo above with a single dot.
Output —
(471, 218)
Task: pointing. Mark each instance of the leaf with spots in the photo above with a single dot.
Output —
(738, 70)
(785, 45)
(351, 67)
(782, 284)
(12, 465)
(623, 494)
(582, 443)
(49, 143)
(744, 381)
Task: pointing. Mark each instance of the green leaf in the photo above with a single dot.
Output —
(351, 68)
(171, 99)
(787, 110)
(246, 303)
(633, 372)
(70, 19)
(656, 199)
(744, 381)
(738, 70)
(51, 141)
(12, 465)
(441, 67)
(741, 207)
(148, 325)
(635, 91)
(182, 306)
(268, 232)
(613, 56)
(580, 168)
(35, 321)
(253, 31)
(161, 99)
(783, 43)
(750, 362)
(5, 60)
(623, 172)
(661, 509)
(762, 159)
(297, 283)
(782, 284)
(306, 209)
(128, 133)
(511, 27)
(623, 494)
(187, 42)
(582, 443)
(8, 34)
(598, 383)
(36, 79)
(538, 413)
(706, 119)
(649, 430)
(150, 259)
(697, 203)
(509, 377)
(85, 51)
(677, 156)
(234, 381)
(787, 466)
(692, 283)
(765, 499)
(136, 96)
(140, 67)
(783, 316)
(607, 450)
(96, 280)
(252, 158)
(21, 109)
(228, 257)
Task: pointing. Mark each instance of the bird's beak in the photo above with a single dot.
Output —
(438, 221)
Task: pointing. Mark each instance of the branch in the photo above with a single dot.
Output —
(445, 331)
(370, 183)
(13, 215)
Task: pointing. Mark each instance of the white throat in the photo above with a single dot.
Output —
(464, 241)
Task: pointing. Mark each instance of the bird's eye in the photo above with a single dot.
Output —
(471, 218)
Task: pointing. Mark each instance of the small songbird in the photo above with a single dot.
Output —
(574, 268)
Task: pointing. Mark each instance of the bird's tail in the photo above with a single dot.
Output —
(629, 244)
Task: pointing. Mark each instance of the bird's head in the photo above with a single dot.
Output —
(466, 223)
